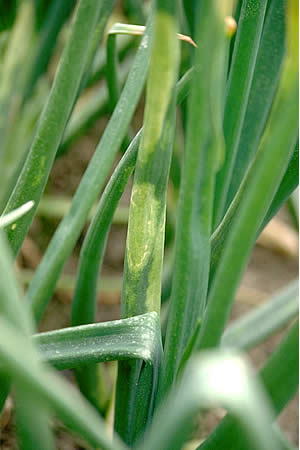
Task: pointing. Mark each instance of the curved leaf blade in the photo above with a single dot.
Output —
(134, 338)
(62, 398)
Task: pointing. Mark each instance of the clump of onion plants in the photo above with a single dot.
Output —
(217, 154)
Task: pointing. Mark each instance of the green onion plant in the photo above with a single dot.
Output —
(215, 159)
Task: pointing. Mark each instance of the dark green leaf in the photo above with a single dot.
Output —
(240, 78)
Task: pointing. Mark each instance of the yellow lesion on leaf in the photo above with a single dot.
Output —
(142, 226)
(154, 280)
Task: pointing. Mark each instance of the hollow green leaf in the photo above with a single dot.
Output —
(19, 138)
(280, 373)
(43, 283)
(102, 19)
(136, 11)
(289, 182)
(133, 338)
(56, 16)
(143, 261)
(212, 379)
(146, 226)
(112, 77)
(92, 251)
(111, 70)
(260, 186)
(8, 15)
(287, 186)
(256, 326)
(279, 377)
(32, 180)
(13, 76)
(204, 147)
(262, 91)
(32, 424)
(242, 68)
(20, 320)
(190, 8)
(21, 361)
(97, 71)
(10, 307)
(95, 106)
(94, 243)
(78, 347)
(57, 207)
